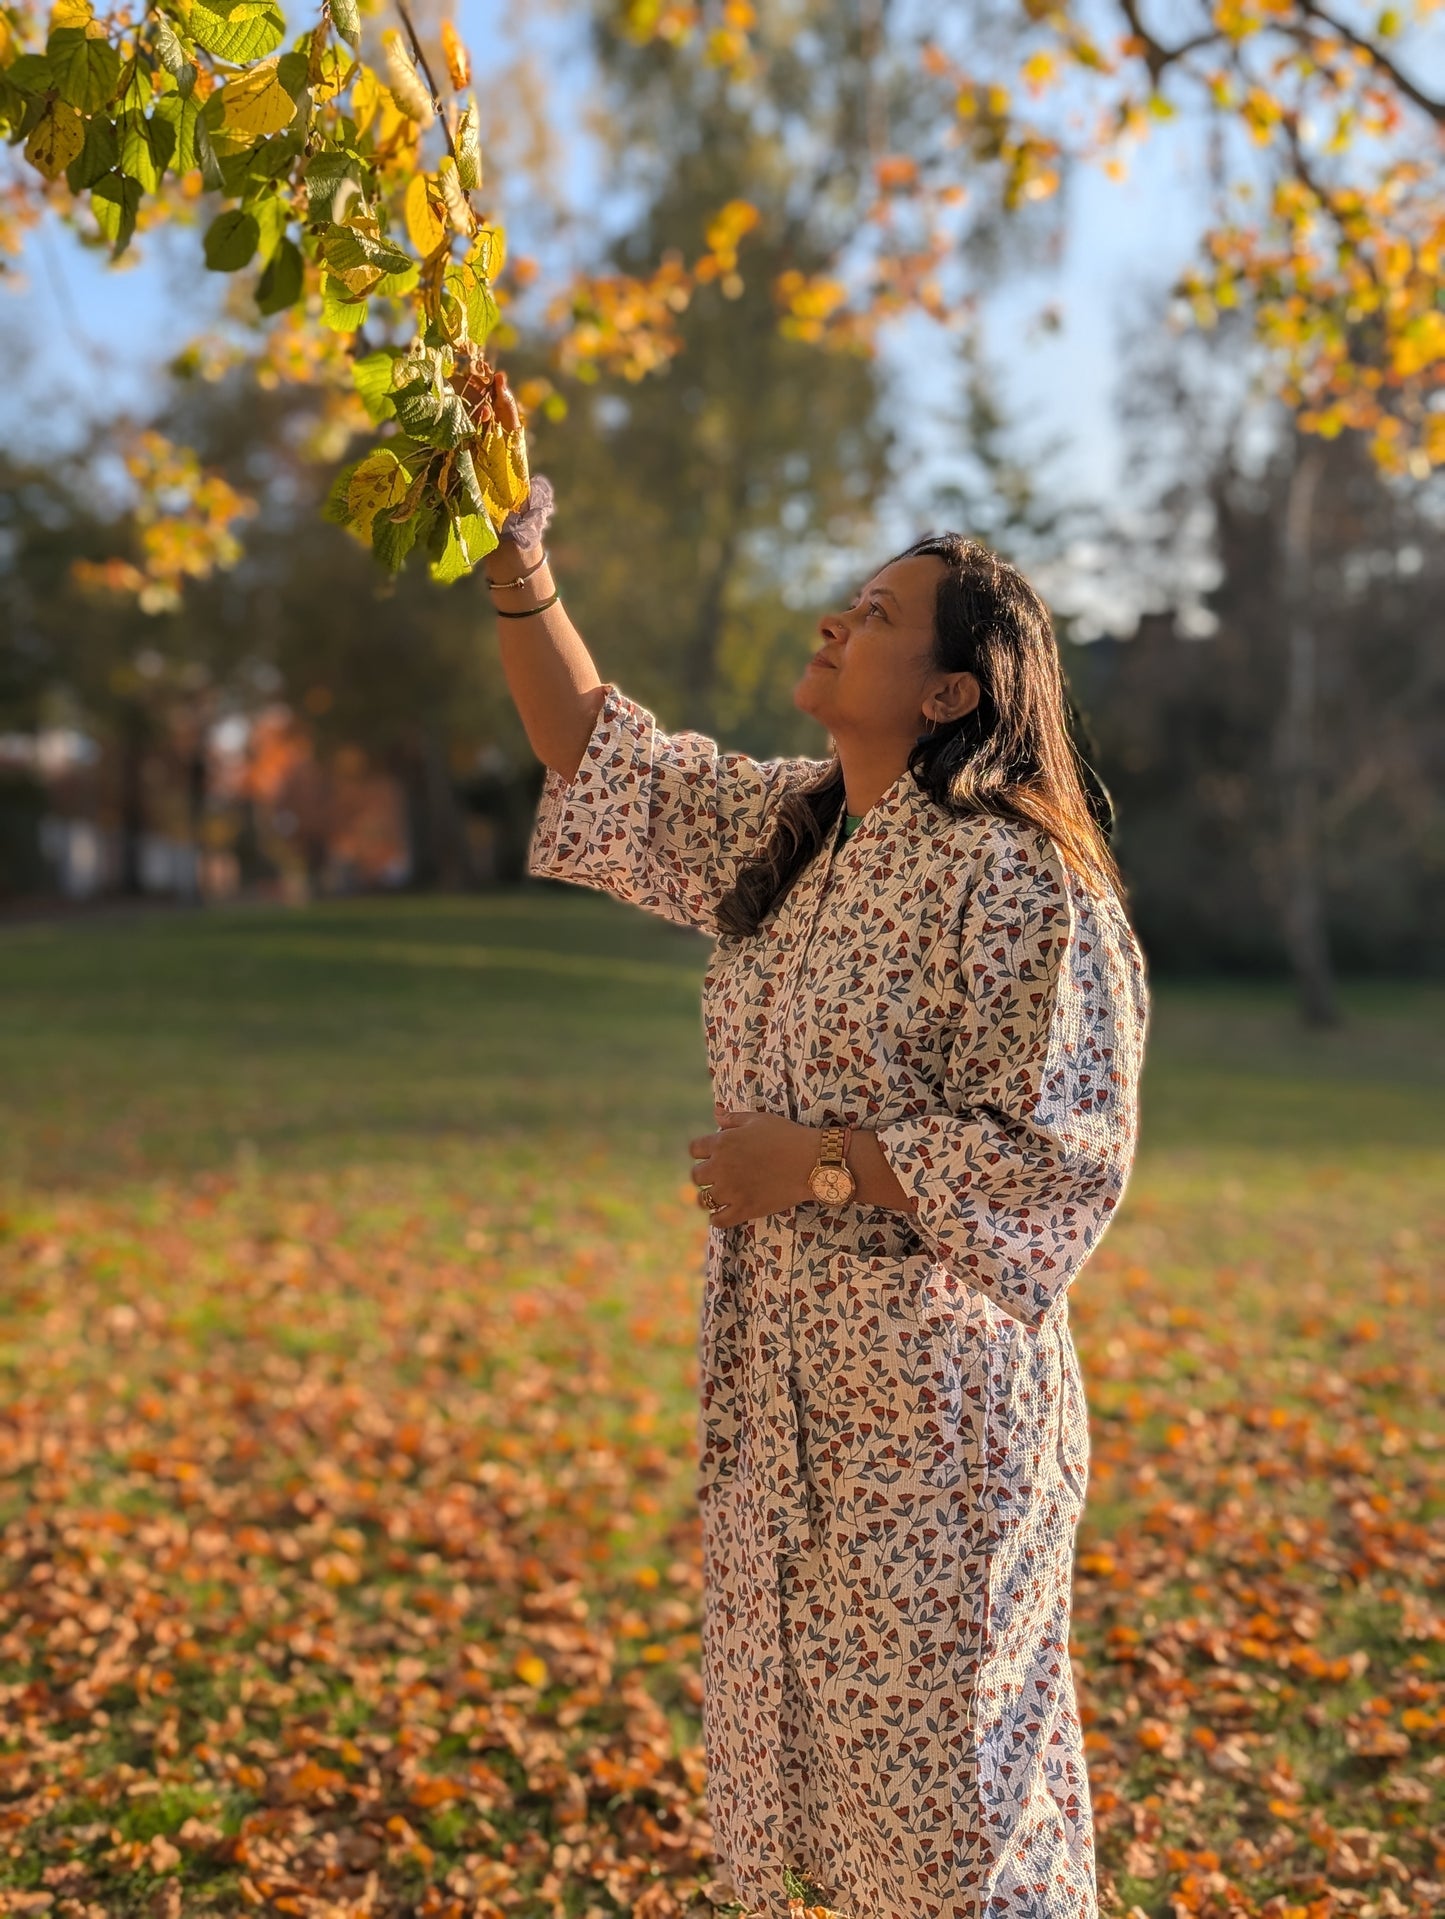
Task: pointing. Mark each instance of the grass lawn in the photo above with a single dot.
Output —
(347, 1278)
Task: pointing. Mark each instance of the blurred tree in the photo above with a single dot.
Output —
(1277, 763)
(139, 684)
(698, 508)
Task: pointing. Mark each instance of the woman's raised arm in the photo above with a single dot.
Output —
(551, 676)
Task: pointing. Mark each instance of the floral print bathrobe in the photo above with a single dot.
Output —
(893, 1434)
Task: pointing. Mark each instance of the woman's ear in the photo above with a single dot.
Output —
(959, 694)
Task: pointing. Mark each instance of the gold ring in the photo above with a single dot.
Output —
(706, 1200)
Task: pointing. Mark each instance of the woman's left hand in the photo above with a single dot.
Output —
(755, 1163)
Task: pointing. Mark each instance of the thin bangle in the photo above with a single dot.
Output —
(501, 586)
(527, 611)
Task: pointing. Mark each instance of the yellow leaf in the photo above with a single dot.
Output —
(531, 1670)
(255, 104)
(501, 461)
(378, 484)
(425, 223)
(55, 140)
(70, 13)
(488, 252)
(459, 211)
(366, 95)
(406, 87)
(459, 65)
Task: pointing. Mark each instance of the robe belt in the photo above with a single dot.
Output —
(775, 1441)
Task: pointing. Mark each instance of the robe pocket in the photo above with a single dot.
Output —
(901, 1433)
(1073, 1436)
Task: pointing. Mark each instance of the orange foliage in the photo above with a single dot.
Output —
(313, 1532)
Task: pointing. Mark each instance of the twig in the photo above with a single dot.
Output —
(1156, 55)
(436, 98)
(1378, 59)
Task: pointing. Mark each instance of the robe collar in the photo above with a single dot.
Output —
(904, 799)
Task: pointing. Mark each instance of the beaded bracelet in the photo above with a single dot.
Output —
(501, 586)
(527, 611)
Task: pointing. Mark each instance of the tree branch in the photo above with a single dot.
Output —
(421, 60)
(1156, 55)
(1377, 58)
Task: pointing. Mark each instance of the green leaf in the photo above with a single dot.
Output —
(249, 33)
(135, 90)
(371, 376)
(291, 71)
(275, 157)
(346, 18)
(338, 311)
(345, 248)
(392, 540)
(172, 55)
(86, 71)
(231, 241)
(114, 201)
(283, 280)
(395, 286)
(478, 535)
(451, 317)
(31, 73)
(438, 418)
(139, 154)
(100, 155)
(180, 114)
(206, 160)
(14, 105)
(469, 490)
(271, 214)
(451, 563)
(326, 173)
(335, 508)
(483, 312)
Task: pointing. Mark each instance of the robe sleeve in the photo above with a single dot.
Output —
(1016, 1180)
(658, 820)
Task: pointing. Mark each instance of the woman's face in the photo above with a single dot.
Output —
(873, 670)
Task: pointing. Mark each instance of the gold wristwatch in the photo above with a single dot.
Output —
(830, 1179)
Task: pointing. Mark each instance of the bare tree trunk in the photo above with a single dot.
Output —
(436, 833)
(1306, 937)
(198, 792)
(133, 740)
(451, 857)
(705, 641)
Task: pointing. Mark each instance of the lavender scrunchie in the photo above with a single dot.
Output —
(526, 525)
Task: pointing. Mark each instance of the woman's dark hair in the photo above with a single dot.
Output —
(1014, 757)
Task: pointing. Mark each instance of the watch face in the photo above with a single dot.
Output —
(832, 1184)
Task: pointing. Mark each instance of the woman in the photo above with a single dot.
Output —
(924, 1013)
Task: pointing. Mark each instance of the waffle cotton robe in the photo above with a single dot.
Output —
(893, 1432)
